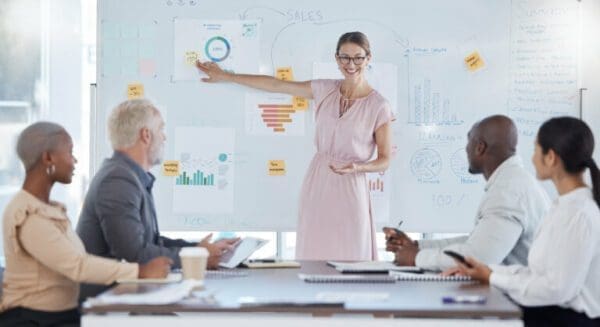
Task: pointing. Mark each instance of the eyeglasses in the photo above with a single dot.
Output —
(356, 60)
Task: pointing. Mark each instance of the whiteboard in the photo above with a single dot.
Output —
(244, 171)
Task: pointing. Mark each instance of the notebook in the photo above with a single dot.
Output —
(436, 277)
(370, 267)
(274, 264)
(309, 278)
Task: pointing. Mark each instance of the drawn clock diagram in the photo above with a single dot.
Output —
(426, 164)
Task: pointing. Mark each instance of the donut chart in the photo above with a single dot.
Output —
(217, 49)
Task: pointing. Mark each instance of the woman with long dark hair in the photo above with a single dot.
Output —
(560, 286)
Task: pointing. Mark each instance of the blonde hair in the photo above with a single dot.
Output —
(128, 118)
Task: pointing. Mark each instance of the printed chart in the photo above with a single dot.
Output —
(206, 178)
(273, 114)
(233, 44)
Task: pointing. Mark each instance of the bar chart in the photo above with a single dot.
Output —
(276, 115)
(198, 178)
(430, 106)
(206, 170)
(376, 185)
(273, 114)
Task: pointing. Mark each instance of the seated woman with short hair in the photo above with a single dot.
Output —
(45, 259)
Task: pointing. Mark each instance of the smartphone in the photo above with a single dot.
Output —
(458, 257)
(468, 299)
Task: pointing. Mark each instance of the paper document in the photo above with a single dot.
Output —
(356, 297)
(171, 278)
(151, 294)
(251, 301)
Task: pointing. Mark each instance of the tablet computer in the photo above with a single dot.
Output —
(243, 249)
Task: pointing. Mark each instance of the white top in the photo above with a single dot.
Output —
(564, 261)
(509, 212)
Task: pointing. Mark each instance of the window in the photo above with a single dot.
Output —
(46, 66)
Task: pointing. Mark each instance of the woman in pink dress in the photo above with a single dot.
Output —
(352, 122)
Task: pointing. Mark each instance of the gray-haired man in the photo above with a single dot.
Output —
(118, 219)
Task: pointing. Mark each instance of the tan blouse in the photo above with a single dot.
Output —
(46, 260)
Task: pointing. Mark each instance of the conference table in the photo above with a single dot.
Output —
(280, 298)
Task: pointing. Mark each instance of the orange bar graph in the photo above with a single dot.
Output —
(275, 106)
(277, 120)
(275, 115)
(274, 111)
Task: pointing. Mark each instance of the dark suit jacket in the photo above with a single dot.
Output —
(118, 219)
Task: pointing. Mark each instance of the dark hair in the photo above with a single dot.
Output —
(572, 140)
(357, 38)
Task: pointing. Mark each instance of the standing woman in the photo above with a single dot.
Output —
(352, 122)
(45, 259)
(561, 284)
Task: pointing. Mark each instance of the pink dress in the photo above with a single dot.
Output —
(335, 221)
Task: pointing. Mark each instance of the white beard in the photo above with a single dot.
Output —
(156, 152)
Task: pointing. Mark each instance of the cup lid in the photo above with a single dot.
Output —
(193, 251)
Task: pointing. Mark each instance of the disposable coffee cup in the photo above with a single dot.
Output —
(193, 262)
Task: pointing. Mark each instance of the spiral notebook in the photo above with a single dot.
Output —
(434, 277)
(370, 267)
(347, 278)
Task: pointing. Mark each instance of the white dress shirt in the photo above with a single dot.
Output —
(509, 212)
(564, 261)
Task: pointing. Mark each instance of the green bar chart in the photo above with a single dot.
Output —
(197, 178)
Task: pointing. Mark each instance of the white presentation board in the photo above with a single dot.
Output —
(442, 65)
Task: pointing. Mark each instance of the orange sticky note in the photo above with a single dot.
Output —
(474, 62)
(299, 103)
(285, 74)
(135, 91)
(170, 168)
(276, 167)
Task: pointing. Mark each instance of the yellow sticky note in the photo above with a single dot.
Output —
(299, 103)
(474, 61)
(285, 74)
(135, 91)
(276, 167)
(191, 57)
(170, 168)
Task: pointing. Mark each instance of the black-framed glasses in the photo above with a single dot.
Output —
(356, 60)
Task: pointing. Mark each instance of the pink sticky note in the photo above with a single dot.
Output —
(147, 67)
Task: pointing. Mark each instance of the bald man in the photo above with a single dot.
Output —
(508, 213)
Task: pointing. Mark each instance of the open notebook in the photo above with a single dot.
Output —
(370, 267)
(347, 278)
(436, 277)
